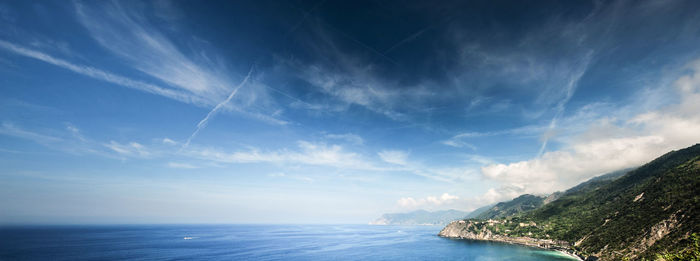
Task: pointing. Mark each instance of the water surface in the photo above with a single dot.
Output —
(251, 242)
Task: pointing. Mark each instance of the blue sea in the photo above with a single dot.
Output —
(251, 242)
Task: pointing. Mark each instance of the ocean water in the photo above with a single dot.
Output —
(251, 242)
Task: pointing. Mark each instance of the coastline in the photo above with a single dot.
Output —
(458, 230)
(559, 250)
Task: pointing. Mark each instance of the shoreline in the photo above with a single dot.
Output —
(463, 229)
(559, 249)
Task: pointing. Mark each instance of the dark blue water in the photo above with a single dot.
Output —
(251, 242)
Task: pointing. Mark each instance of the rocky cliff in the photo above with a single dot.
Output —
(648, 213)
(484, 230)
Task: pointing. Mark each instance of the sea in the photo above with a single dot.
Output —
(251, 242)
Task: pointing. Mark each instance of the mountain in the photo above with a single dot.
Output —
(420, 217)
(518, 205)
(635, 215)
(527, 202)
(475, 213)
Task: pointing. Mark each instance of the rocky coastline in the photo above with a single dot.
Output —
(462, 229)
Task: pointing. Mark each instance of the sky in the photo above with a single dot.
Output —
(330, 111)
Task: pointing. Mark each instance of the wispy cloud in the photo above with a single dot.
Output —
(401, 162)
(349, 137)
(128, 33)
(101, 75)
(429, 202)
(347, 79)
(130, 149)
(611, 144)
(460, 140)
(397, 157)
(308, 154)
(197, 76)
(10, 129)
(199, 71)
(69, 139)
(570, 89)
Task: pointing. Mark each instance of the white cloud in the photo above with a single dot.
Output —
(127, 33)
(308, 154)
(169, 141)
(611, 144)
(397, 157)
(349, 137)
(430, 202)
(458, 143)
(133, 149)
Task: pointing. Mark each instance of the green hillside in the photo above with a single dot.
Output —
(475, 213)
(516, 206)
(648, 211)
(527, 202)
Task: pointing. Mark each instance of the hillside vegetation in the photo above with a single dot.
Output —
(516, 206)
(648, 213)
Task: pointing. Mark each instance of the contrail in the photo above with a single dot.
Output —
(216, 108)
(303, 18)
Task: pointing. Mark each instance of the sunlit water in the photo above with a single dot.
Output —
(251, 242)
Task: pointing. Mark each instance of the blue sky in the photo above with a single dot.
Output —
(330, 112)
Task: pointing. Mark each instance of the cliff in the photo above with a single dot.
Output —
(645, 214)
(484, 230)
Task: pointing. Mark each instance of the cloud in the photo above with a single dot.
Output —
(460, 140)
(355, 86)
(126, 32)
(132, 149)
(400, 162)
(345, 78)
(570, 89)
(349, 137)
(430, 202)
(457, 142)
(102, 75)
(10, 129)
(195, 76)
(308, 153)
(611, 144)
(75, 132)
(397, 157)
(199, 71)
